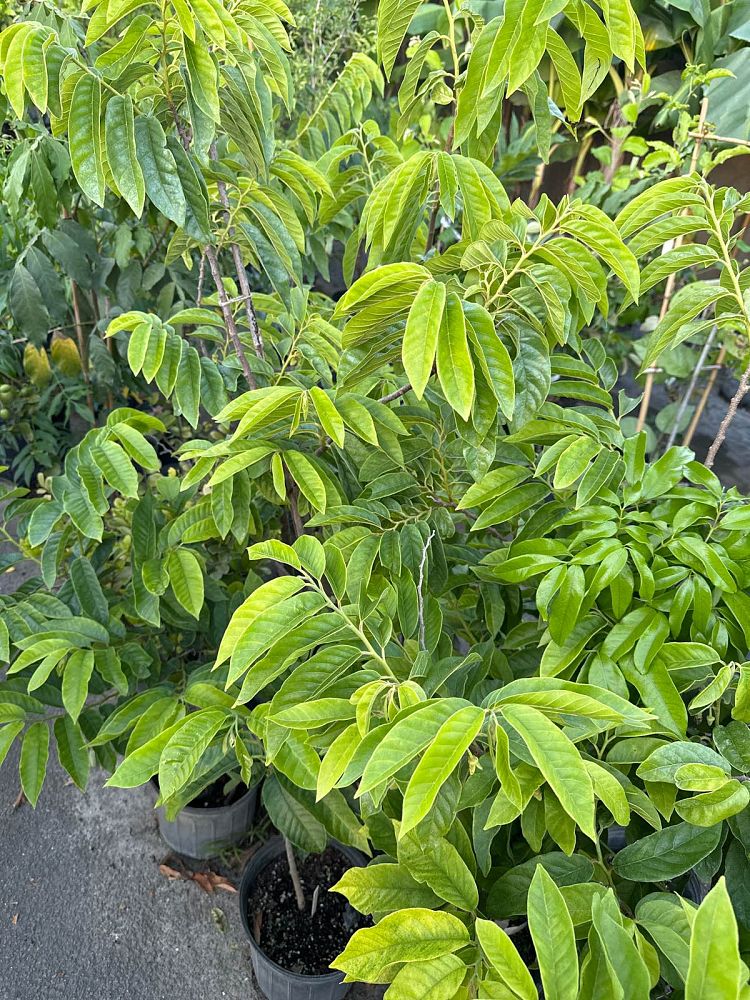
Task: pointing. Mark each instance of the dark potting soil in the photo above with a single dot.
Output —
(292, 938)
(215, 795)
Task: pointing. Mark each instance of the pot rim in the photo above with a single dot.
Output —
(208, 810)
(272, 849)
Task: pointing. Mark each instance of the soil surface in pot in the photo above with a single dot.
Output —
(214, 795)
(292, 938)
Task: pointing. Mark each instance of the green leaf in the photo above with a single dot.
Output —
(33, 762)
(505, 960)
(159, 169)
(329, 416)
(439, 865)
(122, 156)
(559, 761)
(307, 477)
(75, 682)
(72, 750)
(8, 734)
(291, 816)
(186, 747)
(188, 385)
(143, 763)
(85, 137)
(117, 468)
(411, 935)
(436, 979)
(186, 578)
(710, 808)
(441, 758)
(715, 968)
(492, 356)
(676, 326)
(421, 334)
(383, 888)
(666, 853)
(552, 932)
(455, 368)
(394, 17)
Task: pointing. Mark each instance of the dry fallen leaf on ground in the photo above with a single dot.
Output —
(208, 881)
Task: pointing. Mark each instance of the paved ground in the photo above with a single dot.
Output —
(86, 915)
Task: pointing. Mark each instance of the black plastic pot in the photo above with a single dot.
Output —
(204, 833)
(275, 982)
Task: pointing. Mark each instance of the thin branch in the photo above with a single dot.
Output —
(82, 347)
(396, 394)
(226, 311)
(239, 266)
(721, 138)
(294, 872)
(729, 416)
(420, 593)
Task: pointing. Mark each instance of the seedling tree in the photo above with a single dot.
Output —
(480, 633)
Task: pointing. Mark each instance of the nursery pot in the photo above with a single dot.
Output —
(205, 832)
(275, 982)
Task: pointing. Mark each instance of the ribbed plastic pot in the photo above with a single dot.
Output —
(275, 982)
(205, 833)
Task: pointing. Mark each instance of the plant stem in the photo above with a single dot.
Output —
(82, 347)
(720, 357)
(729, 416)
(294, 872)
(396, 394)
(239, 266)
(226, 311)
(672, 279)
(744, 385)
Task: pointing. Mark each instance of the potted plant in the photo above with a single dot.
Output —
(482, 624)
(295, 926)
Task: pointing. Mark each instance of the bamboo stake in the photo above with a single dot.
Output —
(704, 397)
(691, 387)
(719, 359)
(672, 279)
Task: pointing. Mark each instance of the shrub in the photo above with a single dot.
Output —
(480, 632)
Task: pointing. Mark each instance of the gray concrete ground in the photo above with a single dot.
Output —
(85, 913)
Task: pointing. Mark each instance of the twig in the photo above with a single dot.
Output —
(420, 594)
(226, 311)
(82, 347)
(691, 388)
(720, 357)
(721, 138)
(729, 416)
(239, 266)
(294, 872)
(396, 394)
(672, 279)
